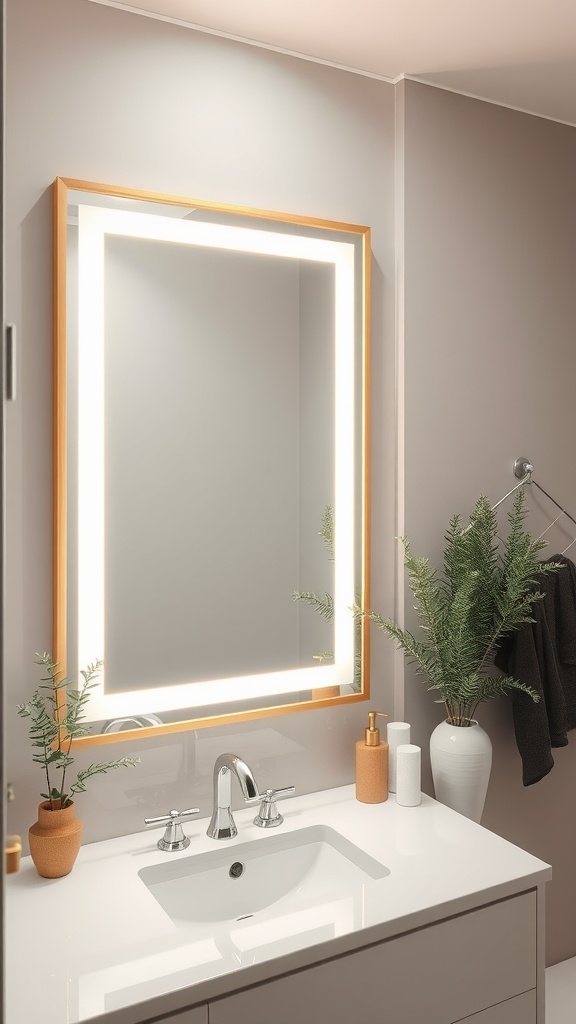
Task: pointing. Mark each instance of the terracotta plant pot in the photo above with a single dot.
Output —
(55, 840)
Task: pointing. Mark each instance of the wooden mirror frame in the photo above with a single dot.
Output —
(320, 698)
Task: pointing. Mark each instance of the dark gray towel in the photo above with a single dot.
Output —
(542, 654)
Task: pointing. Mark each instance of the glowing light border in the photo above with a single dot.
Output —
(94, 223)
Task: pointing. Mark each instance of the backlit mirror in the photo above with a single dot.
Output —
(211, 509)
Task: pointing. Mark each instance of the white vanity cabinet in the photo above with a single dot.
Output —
(479, 965)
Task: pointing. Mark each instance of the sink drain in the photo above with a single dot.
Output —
(237, 869)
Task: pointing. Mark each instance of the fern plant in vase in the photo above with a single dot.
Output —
(56, 711)
(484, 591)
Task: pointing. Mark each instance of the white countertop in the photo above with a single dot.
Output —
(97, 942)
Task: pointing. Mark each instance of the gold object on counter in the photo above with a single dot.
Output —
(12, 854)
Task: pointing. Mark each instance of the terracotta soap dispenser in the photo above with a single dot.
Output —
(372, 764)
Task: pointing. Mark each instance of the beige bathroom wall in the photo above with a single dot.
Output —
(487, 216)
(101, 94)
(490, 352)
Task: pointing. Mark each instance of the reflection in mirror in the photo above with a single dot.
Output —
(210, 383)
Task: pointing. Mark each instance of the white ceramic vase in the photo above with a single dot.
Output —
(461, 759)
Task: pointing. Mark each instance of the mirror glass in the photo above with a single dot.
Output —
(211, 514)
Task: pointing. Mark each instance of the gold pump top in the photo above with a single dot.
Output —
(372, 734)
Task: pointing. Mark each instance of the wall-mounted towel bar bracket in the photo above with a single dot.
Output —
(523, 470)
(523, 467)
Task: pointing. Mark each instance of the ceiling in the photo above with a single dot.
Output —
(521, 53)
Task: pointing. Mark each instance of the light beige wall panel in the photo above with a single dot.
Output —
(490, 224)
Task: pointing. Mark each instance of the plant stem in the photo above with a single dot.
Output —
(64, 768)
(47, 777)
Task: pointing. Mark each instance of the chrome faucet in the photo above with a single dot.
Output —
(222, 825)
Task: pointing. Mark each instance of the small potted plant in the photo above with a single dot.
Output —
(56, 710)
(485, 590)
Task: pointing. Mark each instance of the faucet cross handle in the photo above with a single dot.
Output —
(173, 838)
(268, 816)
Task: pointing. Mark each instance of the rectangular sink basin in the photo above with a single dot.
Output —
(276, 874)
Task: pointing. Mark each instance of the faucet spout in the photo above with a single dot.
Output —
(222, 824)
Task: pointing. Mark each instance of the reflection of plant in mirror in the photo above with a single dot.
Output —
(324, 603)
(56, 710)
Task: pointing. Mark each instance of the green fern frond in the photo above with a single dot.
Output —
(327, 530)
(420, 653)
(79, 786)
(324, 604)
(497, 686)
(324, 656)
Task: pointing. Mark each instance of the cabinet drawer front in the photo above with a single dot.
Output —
(520, 1010)
(441, 973)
